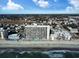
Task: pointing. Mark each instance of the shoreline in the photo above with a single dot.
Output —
(40, 49)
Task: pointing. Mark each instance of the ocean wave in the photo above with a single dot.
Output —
(11, 53)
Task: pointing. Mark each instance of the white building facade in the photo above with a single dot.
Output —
(37, 32)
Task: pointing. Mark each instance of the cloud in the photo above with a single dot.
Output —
(12, 6)
(41, 3)
(74, 5)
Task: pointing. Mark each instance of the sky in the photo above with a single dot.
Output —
(39, 6)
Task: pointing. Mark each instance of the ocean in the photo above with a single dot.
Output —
(25, 53)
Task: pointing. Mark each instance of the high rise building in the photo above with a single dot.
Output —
(37, 32)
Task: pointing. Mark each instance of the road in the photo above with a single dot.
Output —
(40, 44)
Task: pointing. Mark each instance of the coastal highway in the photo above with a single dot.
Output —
(39, 44)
